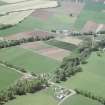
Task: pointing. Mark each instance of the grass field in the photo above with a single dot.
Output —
(63, 45)
(40, 98)
(7, 77)
(59, 19)
(30, 23)
(79, 100)
(91, 12)
(29, 60)
(92, 78)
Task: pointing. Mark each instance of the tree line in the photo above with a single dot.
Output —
(22, 87)
(91, 96)
(9, 43)
(71, 64)
(13, 66)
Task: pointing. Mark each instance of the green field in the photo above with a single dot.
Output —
(79, 100)
(29, 60)
(91, 12)
(59, 21)
(45, 98)
(63, 45)
(92, 78)
(7, 77)
(40, 98)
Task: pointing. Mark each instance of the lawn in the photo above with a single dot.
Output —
(29, 60)
(7, 77)
(39, 98)
(92, 78)
(61, 44)
(79, 100)
(91, 12)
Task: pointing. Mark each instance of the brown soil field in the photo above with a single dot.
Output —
(90, 26)
(46, 50)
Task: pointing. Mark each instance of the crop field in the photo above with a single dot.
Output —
(48, 19)
(70, 39)
(7, 77)
(13, 1)
(16, 17)
(63, 45)
(46, 50)
(19, 11)
(28, 59)
(93, 11)
(95, 71)
(27, 5)
(80, 100)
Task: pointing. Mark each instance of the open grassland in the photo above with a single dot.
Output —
(93, 11)
(29, 60)
(92, 78)
(7, 77)
(79, 100)
(63, 45)
(39, 98)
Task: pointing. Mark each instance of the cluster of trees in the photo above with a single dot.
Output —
(71, 64)
(4, 44)
(13, 66)
(101, 32)
(91, 95)
(22, 87)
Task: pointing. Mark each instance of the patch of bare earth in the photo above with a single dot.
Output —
(90, 26)
(46, 50)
